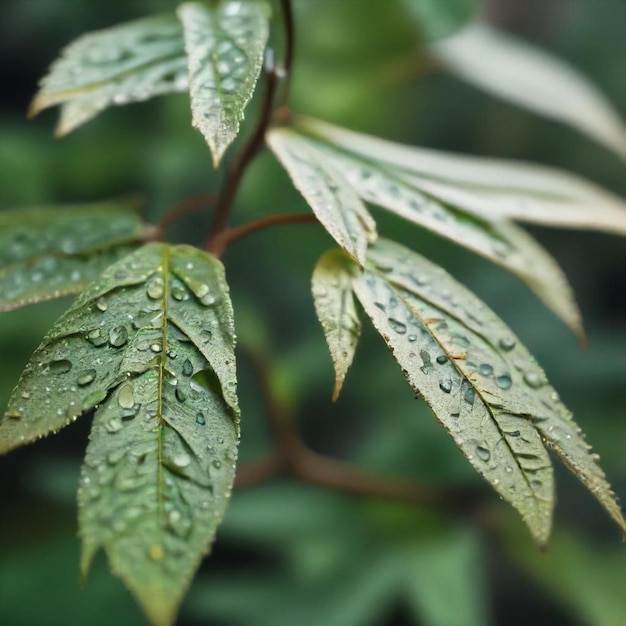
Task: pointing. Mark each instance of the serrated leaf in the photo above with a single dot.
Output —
(484, 56)
(139, 347)
(225, 44)
(500, 241)
(130, 62)
(481, 383)
(336, 311)
(437, 19)
(56, 251)
(489, 188)
(335, 203)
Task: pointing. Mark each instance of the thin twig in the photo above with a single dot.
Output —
(182, 208)
(238, 168)
(231, 235)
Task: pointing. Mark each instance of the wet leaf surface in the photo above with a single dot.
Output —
(333, 200)
(336, 311)
(138, 348)
(127, 63)
(481, 383)
(225, 44)
(55, 251)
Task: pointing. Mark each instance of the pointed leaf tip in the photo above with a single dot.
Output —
(336, 310)
(225, 44)
(481, 383)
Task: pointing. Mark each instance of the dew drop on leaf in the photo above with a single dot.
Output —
(86, 377)
(61, 366)
(126, 396)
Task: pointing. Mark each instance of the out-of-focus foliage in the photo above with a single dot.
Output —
(302, 547)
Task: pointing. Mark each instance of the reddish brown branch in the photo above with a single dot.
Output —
(182, 208)
(231, 235)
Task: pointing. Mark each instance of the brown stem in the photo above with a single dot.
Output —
(231, 235)
(239, 166)
(182, 208)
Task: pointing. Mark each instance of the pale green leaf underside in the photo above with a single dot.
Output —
(481, 383)
(489, 188)
(540, 82)
(500, 241)
(333, 200)
(131, 62)
(336, 311)
(141, 348)
(225, 44)
(55, 251)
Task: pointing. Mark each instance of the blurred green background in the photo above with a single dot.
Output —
(287, 553)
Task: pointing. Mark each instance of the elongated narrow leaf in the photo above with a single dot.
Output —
(139, 347)
(333, 200)
(480, 382)
(500, 241)
(131, 62)
(489, 188)
(540, 82)
(56, 251)
(336, 311)
(225, 44)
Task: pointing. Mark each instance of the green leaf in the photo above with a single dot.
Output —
(225, 44)
(336, 310)
(500, 241)
(481, 383)
(488, 188)
(56, 251)
(483, 56)
(150, 348)
(131, 62)
(437, 19)
(333, 200)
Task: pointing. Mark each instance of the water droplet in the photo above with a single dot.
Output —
(504, 381)
(96, 338)
(182, 459)
(61, 366)
(180, 394)
(187, 368)
(534, 380)
(469, 395)
(200, 419)
(25, 395)
(446, 385)
(217, 464)
(202, 290)
(126, 396)
(442, 359)
(101, 304)
(113, 425)
(483, 453)
(156, 347)
(179, 293)
(155, 288)
(397, 326)
(507, 344)
(118, 336)
(86, 377)
(485, 369)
